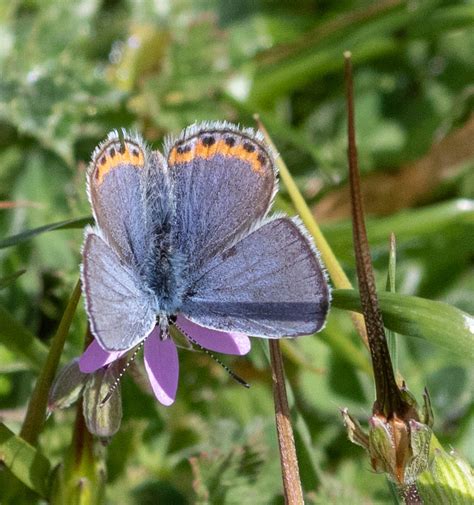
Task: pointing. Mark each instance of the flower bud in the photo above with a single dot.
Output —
(67, 386)
(102, 418)
(399, 445)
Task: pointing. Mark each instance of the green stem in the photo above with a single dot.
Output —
(36, 413)
(391, 286)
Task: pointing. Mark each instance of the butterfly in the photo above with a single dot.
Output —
(185, 238)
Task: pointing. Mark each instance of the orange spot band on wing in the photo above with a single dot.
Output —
(204, 151)
(176, 157)
(105, 162)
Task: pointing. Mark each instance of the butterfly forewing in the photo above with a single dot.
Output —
(224, 181)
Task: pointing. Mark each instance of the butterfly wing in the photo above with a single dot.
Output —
(120, 311)
(224, 181)
(269, 284)
(116, 192)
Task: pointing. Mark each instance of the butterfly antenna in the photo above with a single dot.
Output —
(217, 360)
(116, 382)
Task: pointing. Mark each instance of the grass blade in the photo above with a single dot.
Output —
(36, 413)
(29, 234)
(406, 225)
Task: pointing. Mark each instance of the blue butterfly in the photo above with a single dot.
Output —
(185, 238)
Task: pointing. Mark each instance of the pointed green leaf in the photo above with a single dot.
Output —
(24, 461)
(29, 234)
(431, 320)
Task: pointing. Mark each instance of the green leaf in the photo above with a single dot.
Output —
(50, 90)
(431, 320)
(29, 234)
(24, 461)
(309, 466)
(19, 340)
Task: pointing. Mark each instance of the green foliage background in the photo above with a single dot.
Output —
(72, 71)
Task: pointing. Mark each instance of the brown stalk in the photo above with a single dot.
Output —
(289, 462)
(388, 397)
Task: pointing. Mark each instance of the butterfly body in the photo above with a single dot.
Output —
(187, 233)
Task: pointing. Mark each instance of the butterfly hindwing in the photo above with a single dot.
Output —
(269, 284)
(120, 311)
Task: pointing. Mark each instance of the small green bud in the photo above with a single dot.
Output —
(67, 386)
(102, 418)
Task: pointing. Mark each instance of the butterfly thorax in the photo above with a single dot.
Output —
(163, 268)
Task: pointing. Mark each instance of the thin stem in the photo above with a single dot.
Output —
(388, 397)
(286, 442)
(36, 412)
(391, 286)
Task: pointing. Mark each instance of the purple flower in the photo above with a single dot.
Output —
(161, 355)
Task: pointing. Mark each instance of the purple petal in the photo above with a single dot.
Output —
(219, 341)
(94, 357)
(162, 366)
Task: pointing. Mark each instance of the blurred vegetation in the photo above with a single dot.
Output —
(72, 71)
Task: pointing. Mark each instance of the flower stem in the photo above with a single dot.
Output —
(388, 396)
(286, 442)
(36, 412)
(391, 275)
